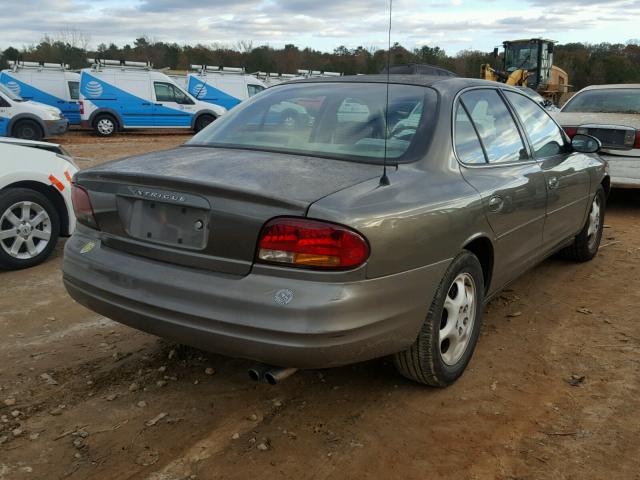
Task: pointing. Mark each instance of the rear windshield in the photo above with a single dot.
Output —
(74, 90)
(615, 100)
(335, 120)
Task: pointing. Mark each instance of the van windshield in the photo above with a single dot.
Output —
(9, 93)
(334, 119)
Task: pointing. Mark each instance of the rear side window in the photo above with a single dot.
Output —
(254, 89)
(467, 143)
(614, 100)
(545, 136)
(495, 125)
(74, 90)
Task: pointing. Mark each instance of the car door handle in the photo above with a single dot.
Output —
(158, 104)
(496, 203)
(146, 103)
(553, 182)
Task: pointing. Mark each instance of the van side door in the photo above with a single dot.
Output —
(172, 107)
(566, 177)
(495, 160)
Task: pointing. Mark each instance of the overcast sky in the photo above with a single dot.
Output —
(323, 24)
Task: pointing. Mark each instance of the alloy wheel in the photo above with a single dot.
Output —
(458, 316)
(25, 230)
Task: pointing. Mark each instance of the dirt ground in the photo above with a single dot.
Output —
(553, 390)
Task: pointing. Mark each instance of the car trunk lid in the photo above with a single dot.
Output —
(616, 131)
(204, 207)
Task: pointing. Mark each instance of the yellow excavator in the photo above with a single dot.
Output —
(529, 63)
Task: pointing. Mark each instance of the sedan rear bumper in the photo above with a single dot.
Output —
(624, 171)
(324, 324)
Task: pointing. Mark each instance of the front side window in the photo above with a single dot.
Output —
(167, 92)
(495, 125)
(254, 89)
(612, 100)
(74, 90)
(347, 121)
(545, 136)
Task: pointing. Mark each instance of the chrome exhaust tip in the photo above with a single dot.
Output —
(256, 373)
(275, 375)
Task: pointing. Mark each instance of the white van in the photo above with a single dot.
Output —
(226, 87)
(117, 95)
(28, 120)
(49, 83)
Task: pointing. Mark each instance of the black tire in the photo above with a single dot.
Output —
(423, 362)
(105, 125)
(10, 198)
(585, 246)
(203, 121)
(28, 130)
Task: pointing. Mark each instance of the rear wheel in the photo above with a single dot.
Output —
(29, 228)
(586, 244)
(203, 122)
(28, 130)
(450, 331)
(105, 125)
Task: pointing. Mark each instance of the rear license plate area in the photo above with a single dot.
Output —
(165, 223)
(609, 137)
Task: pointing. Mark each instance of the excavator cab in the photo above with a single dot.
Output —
(529, 63)
(535, 56)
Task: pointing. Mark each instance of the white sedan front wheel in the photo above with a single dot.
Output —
(29, 228)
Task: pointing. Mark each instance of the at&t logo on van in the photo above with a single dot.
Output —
(199, 90)
(94, 89)
(14, 87)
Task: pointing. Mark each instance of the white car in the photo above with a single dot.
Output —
(35, 200)
(611, 113)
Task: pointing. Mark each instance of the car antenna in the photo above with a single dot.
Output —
(384, 180)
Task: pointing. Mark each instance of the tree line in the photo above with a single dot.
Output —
(586, 64)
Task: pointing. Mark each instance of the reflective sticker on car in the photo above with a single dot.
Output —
(88, 247)
(67, 176)
(56, 183)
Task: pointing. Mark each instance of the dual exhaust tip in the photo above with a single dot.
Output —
(269, 374)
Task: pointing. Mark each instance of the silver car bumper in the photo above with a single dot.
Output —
(324, 325)
(624, 171)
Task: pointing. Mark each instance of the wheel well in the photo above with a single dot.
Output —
(483, 250)
(606, 184)
(22, 120)
(53, 195)
(105, 114)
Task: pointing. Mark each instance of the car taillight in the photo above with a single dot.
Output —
(81, 107)
(299, 242)
(571, 131)
(82, 206)
(637, 144)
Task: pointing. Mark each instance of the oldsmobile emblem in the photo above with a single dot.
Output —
(283, 297)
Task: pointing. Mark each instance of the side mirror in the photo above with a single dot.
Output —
(585, 144)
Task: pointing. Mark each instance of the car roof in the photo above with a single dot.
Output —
(437, 81)
(611, 86)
